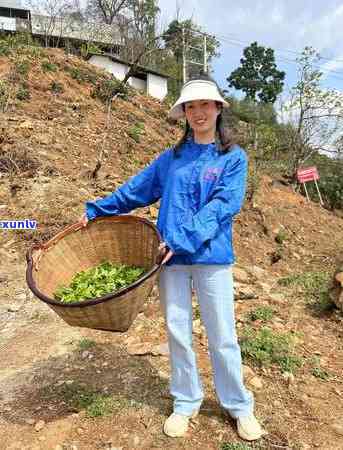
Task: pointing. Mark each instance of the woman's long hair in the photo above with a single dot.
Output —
(223, 135)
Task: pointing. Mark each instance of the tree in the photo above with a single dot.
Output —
(316, 114)
(51, 17)
(105, 11)
(258, 74)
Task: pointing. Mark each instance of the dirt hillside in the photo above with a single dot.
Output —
(64, 388)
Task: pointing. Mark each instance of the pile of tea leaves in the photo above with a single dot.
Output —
(98, 281)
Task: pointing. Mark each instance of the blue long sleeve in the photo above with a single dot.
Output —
(141, 190)
(226, 201)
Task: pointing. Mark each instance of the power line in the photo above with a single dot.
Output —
(278, 49)
(284, 59)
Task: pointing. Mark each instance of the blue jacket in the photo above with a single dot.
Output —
(200, 191)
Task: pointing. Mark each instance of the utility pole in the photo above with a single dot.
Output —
(183, 56)
(185, 49)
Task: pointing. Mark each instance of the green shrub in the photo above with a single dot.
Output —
(47, 66)
(317, 371)
(106, 89)
(4, 93)
(263, 313)
(253, 185)
(313, 286)
(264, 347)
(23, 93)
(22, 67)
(88, 48)
(85, 344)
(135, 131)
(82, 75)
(56, 87)
(281, 237)
(5, 49)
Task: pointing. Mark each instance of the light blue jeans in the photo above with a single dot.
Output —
(214, 288)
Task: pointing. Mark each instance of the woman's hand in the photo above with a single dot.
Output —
(84, 220)
(165, 252)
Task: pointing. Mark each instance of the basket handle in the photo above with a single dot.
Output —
(33, 259)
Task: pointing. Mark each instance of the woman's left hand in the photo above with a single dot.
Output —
(165, 252)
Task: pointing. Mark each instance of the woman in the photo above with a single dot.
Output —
(201, 185)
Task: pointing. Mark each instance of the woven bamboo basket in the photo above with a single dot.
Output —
(125, 239)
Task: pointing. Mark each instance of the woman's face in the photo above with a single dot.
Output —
(202, 115)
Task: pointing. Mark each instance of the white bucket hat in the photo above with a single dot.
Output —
(196, 90)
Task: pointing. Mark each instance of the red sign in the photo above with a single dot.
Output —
(308, 174)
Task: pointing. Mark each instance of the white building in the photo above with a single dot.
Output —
(146, 80)
(13, 17)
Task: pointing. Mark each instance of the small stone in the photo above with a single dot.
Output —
(339, 277)
(143, 348)
(136, 440)
(256, 383)
(338, 427)
(13, 308)
(80, 431)
(30, 421)
(240, 275)
(259, 273)
(42, 438)
(289, 377)
(248, 373)
(160, 349)
(40, 425)
(276, 297)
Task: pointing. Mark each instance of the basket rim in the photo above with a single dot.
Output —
(72, 229)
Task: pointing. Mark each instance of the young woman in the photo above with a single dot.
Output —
(201, 185)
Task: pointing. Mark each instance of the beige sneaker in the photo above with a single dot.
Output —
(249, 429)
(177, 425)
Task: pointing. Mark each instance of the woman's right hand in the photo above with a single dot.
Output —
(84, 220)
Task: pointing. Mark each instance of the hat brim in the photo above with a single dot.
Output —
(196, 90)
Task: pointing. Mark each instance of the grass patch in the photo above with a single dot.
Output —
(281, 237)
(4, 94)
(47, 66)
(96, 404)
(85, 344)
(23, 93)
(82, 75)
(263, 313)
(22, 67)
(264, 347)
(235, 446)
(56, 87)
(317, 371)
(135, 131)
(313, 286)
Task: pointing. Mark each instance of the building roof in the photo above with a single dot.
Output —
(139, 68)
(13, 4)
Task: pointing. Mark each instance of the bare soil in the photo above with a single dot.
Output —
(43, 359)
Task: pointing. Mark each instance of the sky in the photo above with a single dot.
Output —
(285, 26)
